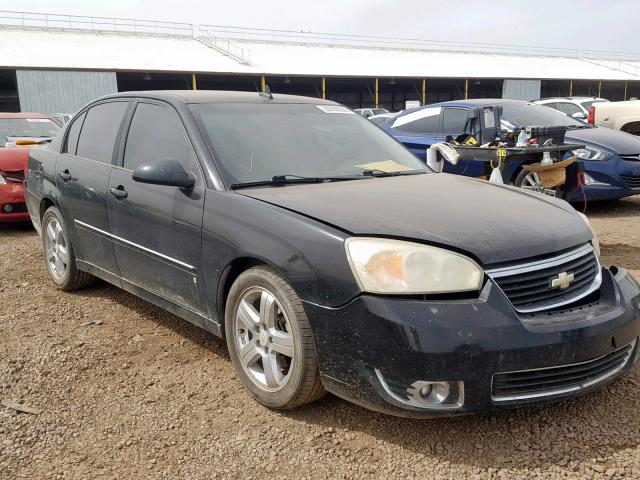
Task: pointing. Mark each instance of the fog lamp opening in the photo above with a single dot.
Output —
(425, 394)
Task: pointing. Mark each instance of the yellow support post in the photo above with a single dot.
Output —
(263, 83)
(571, 88)
(625, 90)
(324, 88)
(600, 88)
(466, 89)
(377, 93)
(194, 85)
(424, 91)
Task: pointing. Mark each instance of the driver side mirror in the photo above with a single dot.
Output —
(579, 115)
(165, 171)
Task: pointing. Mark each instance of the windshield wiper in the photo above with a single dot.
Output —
(375, 172)
(279, 180)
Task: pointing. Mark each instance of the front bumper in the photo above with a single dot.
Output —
(13, 194)
(404, 340)
(618, 179)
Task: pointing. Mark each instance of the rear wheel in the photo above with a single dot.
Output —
(59, 257)
(270, 340)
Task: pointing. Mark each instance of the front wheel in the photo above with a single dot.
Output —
(59, 257)
(270, 340)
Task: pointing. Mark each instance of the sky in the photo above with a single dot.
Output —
(568, 24)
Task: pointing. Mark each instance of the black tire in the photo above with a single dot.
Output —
(303, 385)
(72, 278)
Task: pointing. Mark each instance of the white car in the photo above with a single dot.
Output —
(623, 116)
(381, 118)
(369, 112)
(576, 107)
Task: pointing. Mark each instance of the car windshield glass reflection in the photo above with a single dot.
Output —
(259, 142)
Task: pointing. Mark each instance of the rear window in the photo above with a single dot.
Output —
(11, 128)
(99, 131)
(421, 121)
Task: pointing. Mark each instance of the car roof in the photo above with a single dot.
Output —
(568, 98)
(475, 102)
(22, 115)
(218, 96)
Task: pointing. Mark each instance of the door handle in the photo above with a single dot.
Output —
(120, 193)
(65, 176)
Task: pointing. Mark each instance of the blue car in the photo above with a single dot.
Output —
(611, 158)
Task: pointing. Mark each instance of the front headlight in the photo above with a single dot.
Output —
(595, 242)
(394, 266)
(591, 153)
(2, 180)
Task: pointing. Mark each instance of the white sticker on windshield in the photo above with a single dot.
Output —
(335, 109)
(37, 120)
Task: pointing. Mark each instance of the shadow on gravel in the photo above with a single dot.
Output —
(17, 229)
(614, 208)
(148, 311)
(573, 430)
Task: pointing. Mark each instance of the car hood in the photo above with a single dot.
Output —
(619, 142)
(493, 223)
(13, 159)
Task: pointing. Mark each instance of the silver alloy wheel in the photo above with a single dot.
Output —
(263, 339)
(56, 249)
(532, 182)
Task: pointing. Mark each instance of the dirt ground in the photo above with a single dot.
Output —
(128, 391)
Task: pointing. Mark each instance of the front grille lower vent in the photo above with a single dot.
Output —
(564, 379)
(633, 181)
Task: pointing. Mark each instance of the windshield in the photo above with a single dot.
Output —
(27, 127)
(529, 114)
(255, 142)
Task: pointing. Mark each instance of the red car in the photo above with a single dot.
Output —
(17, 132)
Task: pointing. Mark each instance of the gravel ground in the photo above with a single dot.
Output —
(128, 391)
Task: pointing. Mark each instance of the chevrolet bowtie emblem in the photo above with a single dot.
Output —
(563, 280)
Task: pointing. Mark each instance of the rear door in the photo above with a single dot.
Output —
(157, 229)
(82, 178)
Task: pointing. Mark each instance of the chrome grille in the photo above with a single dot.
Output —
(550, 283)
(633, 181)
(631, 158)
(550, 381)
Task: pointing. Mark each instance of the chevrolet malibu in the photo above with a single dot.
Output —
(329, 257)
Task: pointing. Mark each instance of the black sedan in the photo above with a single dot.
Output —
(328, 255)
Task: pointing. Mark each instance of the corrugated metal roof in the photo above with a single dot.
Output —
(90, 50)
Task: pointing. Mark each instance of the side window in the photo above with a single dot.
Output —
(421, 121)
(568, 108)
(73, 135)
(99, 131)
(156, 133)
(454, 121)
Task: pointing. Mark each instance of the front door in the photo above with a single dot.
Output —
(157, 229)
(82, 177)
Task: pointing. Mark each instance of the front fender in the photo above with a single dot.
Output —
(308, 253)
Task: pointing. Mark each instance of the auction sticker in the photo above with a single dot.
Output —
(335, 109)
